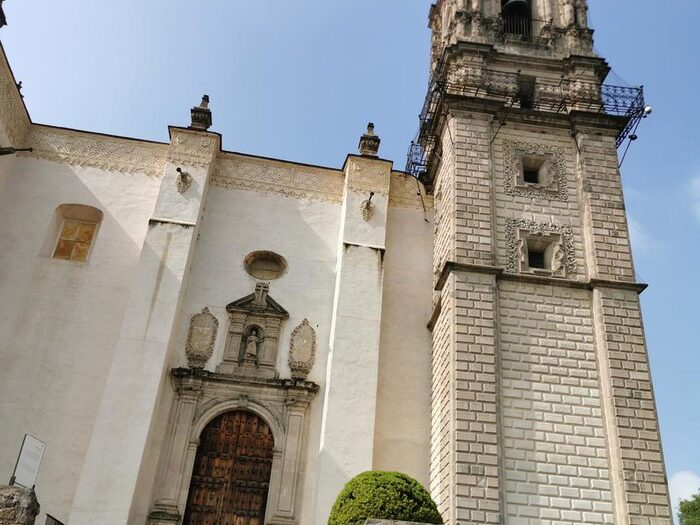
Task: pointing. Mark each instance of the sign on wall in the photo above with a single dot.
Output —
(28, 462)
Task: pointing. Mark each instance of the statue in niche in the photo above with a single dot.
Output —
(568, 12)
(581, 13)
(250, 347)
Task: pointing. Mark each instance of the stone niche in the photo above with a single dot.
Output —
(252, 342)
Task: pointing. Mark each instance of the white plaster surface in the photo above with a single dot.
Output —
(59, 321)
(305, 233)
(402, 432)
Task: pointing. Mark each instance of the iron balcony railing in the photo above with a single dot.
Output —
(518, 91)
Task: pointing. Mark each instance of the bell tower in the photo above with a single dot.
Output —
(542, 406)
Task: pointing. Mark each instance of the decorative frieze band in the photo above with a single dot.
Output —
(266, 176)
(306, 182)
(86, 149)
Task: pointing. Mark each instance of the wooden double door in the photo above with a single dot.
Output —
(231, 473)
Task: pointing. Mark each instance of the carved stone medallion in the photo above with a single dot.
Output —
(200, 340)
(302, 350)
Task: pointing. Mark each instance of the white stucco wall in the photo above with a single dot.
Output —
(59, 320)
(402, 433)
(304, 232)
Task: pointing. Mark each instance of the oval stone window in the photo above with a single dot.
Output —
(265, 266)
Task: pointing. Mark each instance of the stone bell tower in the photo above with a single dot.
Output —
(542, 406)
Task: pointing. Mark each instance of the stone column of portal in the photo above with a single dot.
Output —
(109, 476)
(176, 444)
(347, 432)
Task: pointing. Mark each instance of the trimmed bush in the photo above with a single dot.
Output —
(384, 496)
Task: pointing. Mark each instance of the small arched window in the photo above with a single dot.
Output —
(77, 228)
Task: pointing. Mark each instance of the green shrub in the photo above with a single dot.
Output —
(384, 496)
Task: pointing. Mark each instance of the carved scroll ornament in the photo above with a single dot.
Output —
(201, 337)
(302, 350)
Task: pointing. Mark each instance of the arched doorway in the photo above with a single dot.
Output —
(231, 473)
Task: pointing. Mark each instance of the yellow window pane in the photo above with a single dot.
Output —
(80, 252)
(86, 232)
(63, 249)
(70, 230)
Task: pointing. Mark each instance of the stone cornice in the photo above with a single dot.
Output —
(285, 384)
(502, 275)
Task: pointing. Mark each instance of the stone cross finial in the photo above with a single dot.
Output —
(261, 291)
(201, 115)
(369, 142)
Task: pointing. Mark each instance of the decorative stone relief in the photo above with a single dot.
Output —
(367, 208)
(255, 323)
(183, 181)
(563, 250)
(193, 148)
(200, 339)
(267, 176)
(554, 187)
(107, 153)
(302, 350)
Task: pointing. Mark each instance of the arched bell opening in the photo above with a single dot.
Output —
(232, 471)
(517, 17)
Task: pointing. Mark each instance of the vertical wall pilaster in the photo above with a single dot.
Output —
(348, 428)
(464, 224)
(608, 252)
(464, 457)
(141, 362)
(637, 466)
(465, 447)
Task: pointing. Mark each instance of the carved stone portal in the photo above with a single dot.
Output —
(201, 397)
(255, 322)
(302, 350)
(200, 339)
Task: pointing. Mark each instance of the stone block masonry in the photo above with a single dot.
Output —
(609, 253)
(463, 189)
(465, 460)
(639, 474)
(556, 464)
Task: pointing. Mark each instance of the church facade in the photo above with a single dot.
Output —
(207, 337)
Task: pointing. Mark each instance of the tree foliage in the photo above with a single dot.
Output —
(689, 511)
(383, 495)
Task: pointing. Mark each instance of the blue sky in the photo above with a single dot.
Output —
(299, 80)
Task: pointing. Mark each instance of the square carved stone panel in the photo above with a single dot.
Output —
(539, 248)
(534, 170)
